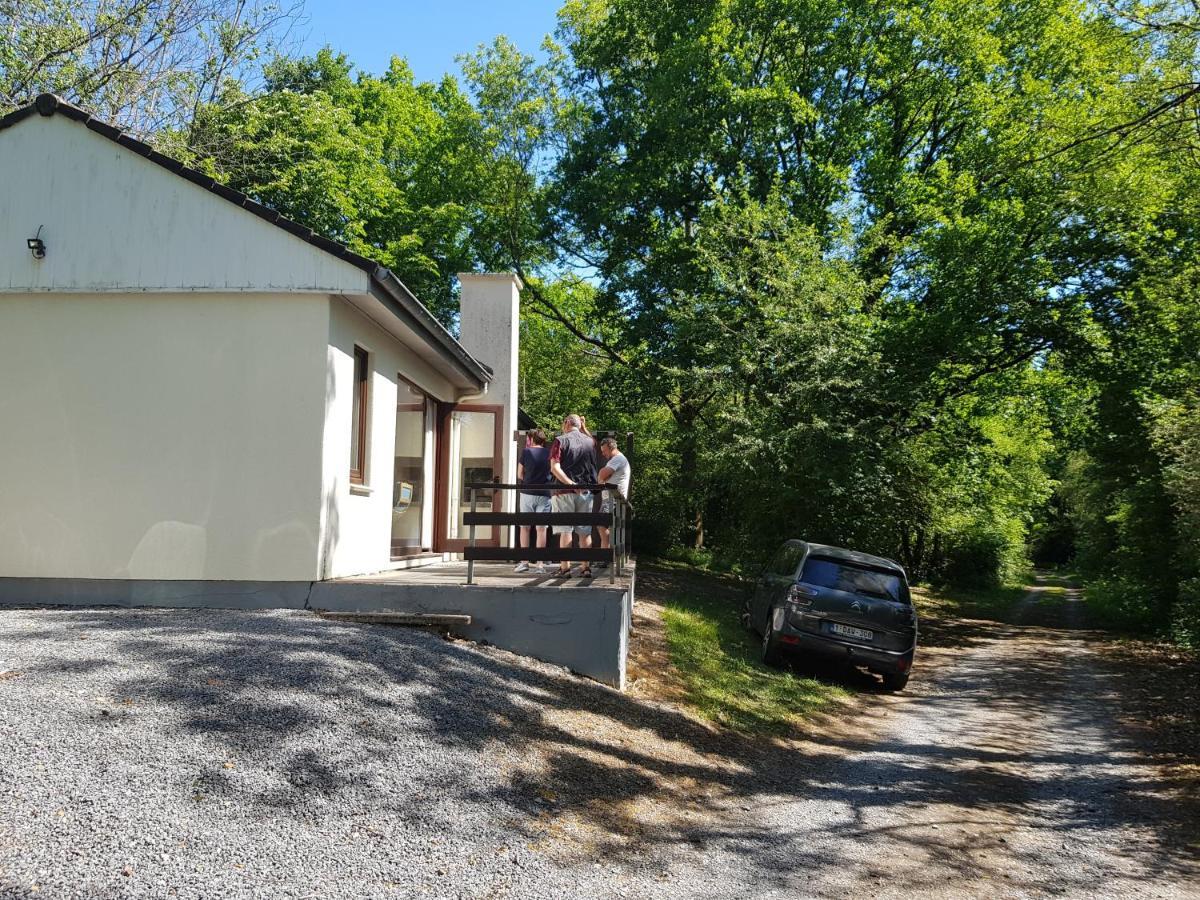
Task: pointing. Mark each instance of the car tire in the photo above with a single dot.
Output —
(771, 654)
(895, 681)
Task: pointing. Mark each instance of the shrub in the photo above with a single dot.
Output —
(982, 556)
(1120, 602)
(1185, 615)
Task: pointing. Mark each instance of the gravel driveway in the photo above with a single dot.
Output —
(273, 754)
(221, 754)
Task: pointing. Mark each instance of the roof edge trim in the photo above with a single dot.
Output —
(405, 304)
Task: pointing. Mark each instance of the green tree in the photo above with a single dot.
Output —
(143, 64)
(943, 152)
(394, 169)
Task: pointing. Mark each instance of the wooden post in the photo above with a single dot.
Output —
(613, 537)
(471, 542)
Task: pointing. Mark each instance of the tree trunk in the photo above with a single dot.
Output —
(689, 482)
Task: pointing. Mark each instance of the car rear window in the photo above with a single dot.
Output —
(843, 576)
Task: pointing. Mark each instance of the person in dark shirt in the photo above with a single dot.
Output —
(534, 469)
(573, 461)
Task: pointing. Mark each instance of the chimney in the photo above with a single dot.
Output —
(489, 328)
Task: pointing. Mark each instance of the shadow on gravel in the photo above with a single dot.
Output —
(312, 711)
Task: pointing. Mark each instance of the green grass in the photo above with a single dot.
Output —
(725, 682)
(973, 603)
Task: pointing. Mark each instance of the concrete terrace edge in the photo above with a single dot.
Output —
(585, 629)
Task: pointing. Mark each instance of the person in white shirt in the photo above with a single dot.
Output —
(616, 471)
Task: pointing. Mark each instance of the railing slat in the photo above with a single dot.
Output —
(492, 485)
(537, 554)
(495, 518)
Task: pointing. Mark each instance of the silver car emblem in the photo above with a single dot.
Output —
(856, 607)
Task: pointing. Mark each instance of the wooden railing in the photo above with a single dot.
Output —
(616, 520)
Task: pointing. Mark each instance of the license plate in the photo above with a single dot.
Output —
(846, 631)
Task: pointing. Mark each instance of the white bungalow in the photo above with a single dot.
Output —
(194, 389)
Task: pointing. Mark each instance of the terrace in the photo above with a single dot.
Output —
(581, 624)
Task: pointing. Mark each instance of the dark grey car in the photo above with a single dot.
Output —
(839, 604)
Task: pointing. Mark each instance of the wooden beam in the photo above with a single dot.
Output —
(538, 554)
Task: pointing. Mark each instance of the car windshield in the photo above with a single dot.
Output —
(844, 576)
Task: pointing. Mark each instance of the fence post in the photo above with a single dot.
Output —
(625, 508)
(619, 543)
(471, 543)
(613, 535)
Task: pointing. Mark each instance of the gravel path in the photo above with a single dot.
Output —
(1002, 776)
(272, 754)
(221, 754)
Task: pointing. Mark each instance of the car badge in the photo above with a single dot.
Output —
(856, 607)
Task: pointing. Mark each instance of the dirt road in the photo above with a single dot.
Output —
(1003, 775)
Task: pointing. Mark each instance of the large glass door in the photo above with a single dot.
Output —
(470, 453)
(408, 475)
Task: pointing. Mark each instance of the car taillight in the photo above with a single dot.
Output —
(800, 594)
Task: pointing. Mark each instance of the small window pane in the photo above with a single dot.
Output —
(358, 417)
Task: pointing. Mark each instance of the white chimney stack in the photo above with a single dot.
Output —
(489, 328)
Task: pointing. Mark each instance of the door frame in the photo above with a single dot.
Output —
(441, 515)
(423, 408)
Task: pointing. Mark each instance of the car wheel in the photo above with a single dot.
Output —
(771, 654)
(895, 681)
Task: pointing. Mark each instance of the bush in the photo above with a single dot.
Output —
(982, 557)
(1185, 615)
(1121, 603)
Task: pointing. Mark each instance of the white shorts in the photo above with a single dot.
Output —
(572, 503)
(535, 503)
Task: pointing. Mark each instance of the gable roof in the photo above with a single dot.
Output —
(386, 287)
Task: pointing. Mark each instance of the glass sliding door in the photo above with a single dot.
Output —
(472, 454)
(408, 474)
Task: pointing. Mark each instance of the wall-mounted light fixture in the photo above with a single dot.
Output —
(36, 246)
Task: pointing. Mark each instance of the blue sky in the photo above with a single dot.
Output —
(429, 34)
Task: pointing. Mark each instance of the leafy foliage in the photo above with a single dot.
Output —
(917, 278)
(144, 64)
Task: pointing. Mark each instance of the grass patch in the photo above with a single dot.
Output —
(717, 660)
(995, 603)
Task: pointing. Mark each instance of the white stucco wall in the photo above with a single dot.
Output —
(356, 523)
(176, 379)
(113, 221)
(161, 436)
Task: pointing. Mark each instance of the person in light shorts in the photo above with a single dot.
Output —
(616, 471)
(573, 462)
(534, 469)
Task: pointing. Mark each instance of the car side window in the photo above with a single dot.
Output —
(786, 560)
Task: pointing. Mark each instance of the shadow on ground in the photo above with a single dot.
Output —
(634, 777)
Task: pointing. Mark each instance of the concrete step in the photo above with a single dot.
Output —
(447, 620)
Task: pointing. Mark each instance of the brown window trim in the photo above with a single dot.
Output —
(362, 381)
